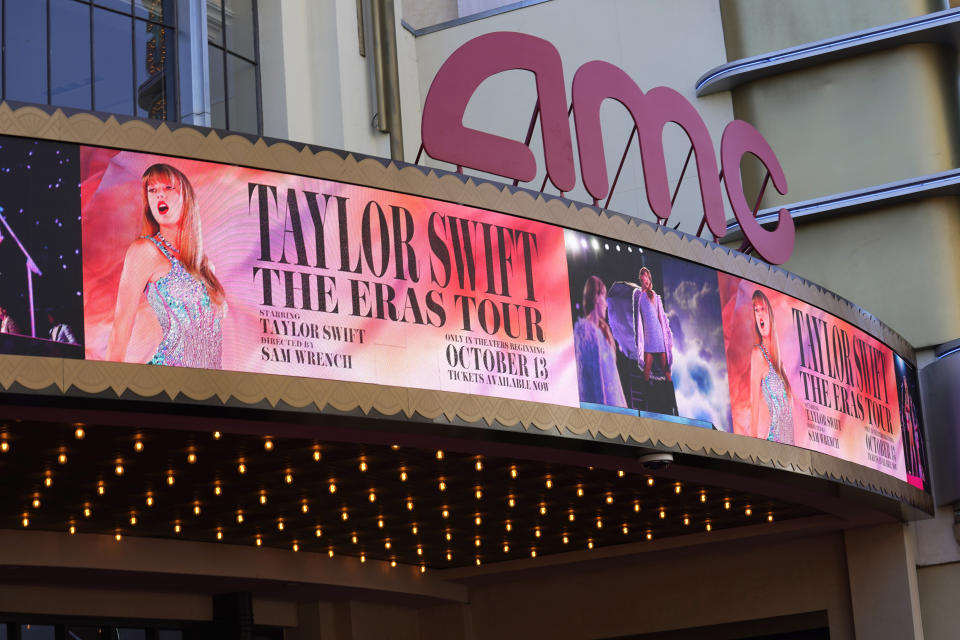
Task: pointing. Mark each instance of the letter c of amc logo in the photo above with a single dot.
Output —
(446, 138)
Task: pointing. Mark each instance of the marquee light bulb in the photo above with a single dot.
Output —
(423, 568)
(191, 458)
(620, 473)
(170, 479)
(549, 483)
(48, 481)
(686, 521)
(280, 525)
(36, 503)
(650, 481)
(86, 512)
(219, 534)
(259, 541)
(386, 544)
(72, 530)
(380, 522)
(414, 529)
(118, 469)
(133, 520)
(196, 509)
(770, 517)
(636, 506)
(101, 489)
(118, 537)
(445, 513)
(478, 561)
(363, 465)
(536, 532)
(305, 508)
(419, 550)
(511, 501)
(477, 521)
(649, 535)
(513, 472)
(748, 512)
(579, 492)
(363, 557)
(138, 445)
(62, 458)
(478, 493)
(663, 513)
(599, 523)
(703, 496)
(79, 433)
(353, 539)
(403, 476)
(442, 485)
(708, 526)
(330, 552)
(263, 498)
(239, 517)
(543, 509)
(589, 544)
(344, 515)
(609, 499)
(242, 468)
(448, 536)
(318, 532)
(288, 478)
(571, 516)
(333, 487)
(25, 521)
(449, 556)
(217, 435)
(268, 445)
(439, 454)
(479, 465)
(317, 456)
(217, 489)
(508, 526)
(566, 539)
(409, 505)
(625, 530)
(372, 497)
(533, 553)
(726, 504)
(677, 488)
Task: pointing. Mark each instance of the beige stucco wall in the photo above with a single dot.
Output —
(667, 591)
(939, 590)
(753, 27)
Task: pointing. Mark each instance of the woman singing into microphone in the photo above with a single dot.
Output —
(167, 264)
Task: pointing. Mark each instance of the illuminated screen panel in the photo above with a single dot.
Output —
(319, 279)
(118, 255)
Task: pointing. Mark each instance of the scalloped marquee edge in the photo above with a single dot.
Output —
(58, 376)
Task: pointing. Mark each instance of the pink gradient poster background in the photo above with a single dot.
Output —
(524, 351)
(854, 415)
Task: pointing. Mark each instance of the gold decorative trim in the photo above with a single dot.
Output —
(57, 376)
(54, 376)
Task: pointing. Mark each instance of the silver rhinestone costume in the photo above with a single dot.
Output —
(778, 403)
(192, 325)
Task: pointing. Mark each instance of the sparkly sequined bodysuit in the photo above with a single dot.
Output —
(778, 403)
(191, 323)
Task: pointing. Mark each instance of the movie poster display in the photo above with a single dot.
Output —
(115, 255)
(803, 377)
(197, 264)
(647, 330)
(911, 419)
(41, 306)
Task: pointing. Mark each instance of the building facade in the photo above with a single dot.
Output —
(157, 502)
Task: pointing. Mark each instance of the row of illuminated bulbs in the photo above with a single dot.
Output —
(80, 433)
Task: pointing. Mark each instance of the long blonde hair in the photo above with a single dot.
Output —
(189, 237)
(591, 289)
(774, 342)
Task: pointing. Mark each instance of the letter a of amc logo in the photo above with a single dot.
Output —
(446, 138)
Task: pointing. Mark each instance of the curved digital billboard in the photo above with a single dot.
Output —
(113, 255)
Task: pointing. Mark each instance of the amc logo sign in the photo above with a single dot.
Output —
(446, 138)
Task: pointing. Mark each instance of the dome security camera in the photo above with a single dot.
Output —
(655, 461)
